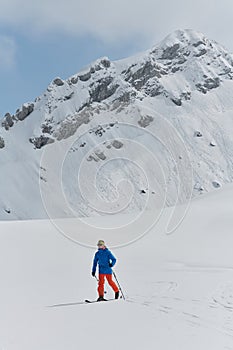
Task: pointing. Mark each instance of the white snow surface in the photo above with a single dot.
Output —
(171, 109)
(178, 287)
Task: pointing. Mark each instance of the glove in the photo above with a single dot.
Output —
(110, 264)
(93, 273)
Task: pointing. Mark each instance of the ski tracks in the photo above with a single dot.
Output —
(213, 312)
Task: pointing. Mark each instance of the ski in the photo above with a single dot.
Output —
(87, 301)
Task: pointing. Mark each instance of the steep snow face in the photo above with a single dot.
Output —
(145, 131)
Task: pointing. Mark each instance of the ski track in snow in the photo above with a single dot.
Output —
(215, 312)
(177, 295)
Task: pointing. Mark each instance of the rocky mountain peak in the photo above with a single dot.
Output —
(188, 50)
(186, 79)
(187, 41)
(184, 38)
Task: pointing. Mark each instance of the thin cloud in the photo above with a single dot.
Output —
(7, 52)
(114, 21)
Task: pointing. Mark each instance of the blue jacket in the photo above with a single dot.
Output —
(103, 257)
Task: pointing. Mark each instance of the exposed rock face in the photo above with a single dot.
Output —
(68, 97)
(41, 141)
(153, 88)
(69, 126)
(103, 89)
(171, 52)
(103, 63)
(177, 101)
(85, 77)
(123, 100)
(180, 53)
(46, 128)
(208, 84)
(8, 121)
(198, 43)
(145, 121)
(96, 156)
(212, 83)
(2, 142)
(25, 111)
(58, 82)
(186, 96)
(197, 134)
(185, 81)
(117, 144)
(74, 80)
(100, 155)
(201, 52)
(150, 69)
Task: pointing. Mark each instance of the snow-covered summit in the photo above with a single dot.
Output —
(185, 81)
(184, 38)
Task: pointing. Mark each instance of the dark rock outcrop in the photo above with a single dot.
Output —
(2, 142)
(106, 63)
(208, 84)
(201, 53)
(85, 77)
(145, 121)
(69, 126)
(197, 134)
(176, 101)
(41, 141)
(212, 83)
(25, 111)
(58, 82)
(117, 144)
(171, 52)
(74, 80)
(103, 89)
(198, 43)
(149, 70)
(8, 121)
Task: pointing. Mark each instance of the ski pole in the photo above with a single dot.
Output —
(118, 284)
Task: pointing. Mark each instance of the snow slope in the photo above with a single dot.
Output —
(179, 287)
(160, 121)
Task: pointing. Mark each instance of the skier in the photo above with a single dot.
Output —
(104, 258)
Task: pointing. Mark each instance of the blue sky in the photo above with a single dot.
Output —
(42, 40)
(40, 60)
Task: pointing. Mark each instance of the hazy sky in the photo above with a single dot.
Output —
(40, 40)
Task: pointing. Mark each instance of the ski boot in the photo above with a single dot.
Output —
(101, 298)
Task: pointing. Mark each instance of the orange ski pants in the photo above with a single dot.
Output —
(110, 282)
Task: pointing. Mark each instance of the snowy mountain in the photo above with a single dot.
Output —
(123, 136)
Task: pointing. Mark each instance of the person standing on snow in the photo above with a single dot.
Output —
(104, 258)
